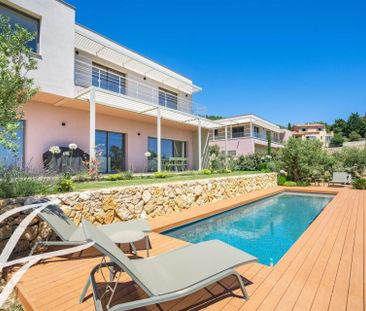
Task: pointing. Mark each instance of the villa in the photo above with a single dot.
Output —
(97, 93)
(246, 134)
(312, 131)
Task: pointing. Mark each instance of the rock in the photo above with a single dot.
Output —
(146, 196)
(30, 233)
(5, 232)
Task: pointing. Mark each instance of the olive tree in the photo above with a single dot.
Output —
(16, 87)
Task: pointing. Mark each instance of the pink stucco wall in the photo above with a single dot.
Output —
(241, 146)
(43, 128)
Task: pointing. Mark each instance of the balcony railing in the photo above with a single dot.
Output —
(261, 136)
(87, 75)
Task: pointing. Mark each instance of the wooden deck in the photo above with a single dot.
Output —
(323, 270)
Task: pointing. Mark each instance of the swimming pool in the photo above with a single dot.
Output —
(266, 228)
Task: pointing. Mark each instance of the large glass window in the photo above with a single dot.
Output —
(170, 149)
(237, 131)
(168, 99)
(25, 21)
(108, 79)
(111, 147)
(11, 158)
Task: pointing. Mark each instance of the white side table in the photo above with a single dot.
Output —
(130, 237)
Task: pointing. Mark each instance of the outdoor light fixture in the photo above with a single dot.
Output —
(63, 123)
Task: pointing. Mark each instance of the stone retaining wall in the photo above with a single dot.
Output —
(125, 203)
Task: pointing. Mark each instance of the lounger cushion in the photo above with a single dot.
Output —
(186, 266)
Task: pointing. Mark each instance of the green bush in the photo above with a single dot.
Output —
(16, 182)
(161, 174)
(359, 183)
(114, 177)
(290, 184)
(281, 180)
(65, 184)
(206, 171)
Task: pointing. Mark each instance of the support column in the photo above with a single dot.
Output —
(92, 112)
(199, 146)
(158, 141)
(226, 140)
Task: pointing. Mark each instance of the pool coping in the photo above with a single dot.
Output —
(171, 221)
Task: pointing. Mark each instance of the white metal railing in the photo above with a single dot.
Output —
(261, 136)
(87, 74)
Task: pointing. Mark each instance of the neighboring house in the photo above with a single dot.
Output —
(312, 131)
(96, 92)
(246, 134)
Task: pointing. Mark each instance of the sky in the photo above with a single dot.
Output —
(284, 60)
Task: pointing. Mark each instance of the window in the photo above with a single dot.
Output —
(304, 130)
(256, 131)
(168, 99)
(216, 133)
(169, 148)
(8, 157)
(30, 23)
(108, 79)
(237, 131)
(111, 145)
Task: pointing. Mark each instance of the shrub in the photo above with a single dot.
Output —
(290, 184)
(114, 177)
(128, 175)
(65, 184)
(15, 182)
(281, 180)
(359, 183)
(206, 171)
(161, 174)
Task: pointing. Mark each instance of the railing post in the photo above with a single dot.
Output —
(92, 112)
(158, 141)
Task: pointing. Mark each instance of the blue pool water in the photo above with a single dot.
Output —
(266, 228)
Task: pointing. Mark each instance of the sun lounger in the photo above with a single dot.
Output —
(169, 276)
(71, 234)
(340, 178)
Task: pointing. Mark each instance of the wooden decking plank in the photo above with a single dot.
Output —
(308, 292)
(321, 249)
(326, 284)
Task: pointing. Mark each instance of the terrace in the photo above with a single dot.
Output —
(323, 270)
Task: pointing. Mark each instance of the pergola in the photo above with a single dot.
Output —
(111, 99)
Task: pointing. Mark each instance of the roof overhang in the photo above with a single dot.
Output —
(119, 101)
(250, 118)
(95, 44)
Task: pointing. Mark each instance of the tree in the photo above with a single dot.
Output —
(289, 126)
(354, 136)
(301, 157)
(355, 123)
(269, 143)
(337, 140)
(339, 127)
(214, 117)
(16, 88)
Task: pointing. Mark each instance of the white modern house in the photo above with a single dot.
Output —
(99, 94)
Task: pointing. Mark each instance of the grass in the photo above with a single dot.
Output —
(145, 180)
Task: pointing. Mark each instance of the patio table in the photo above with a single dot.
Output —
(130, 237)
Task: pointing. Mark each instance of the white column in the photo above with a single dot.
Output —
(226, 140)
(199, 146)
(159, 138)
(92, 124)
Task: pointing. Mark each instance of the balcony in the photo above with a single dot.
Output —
(87, 75)
(245, 134)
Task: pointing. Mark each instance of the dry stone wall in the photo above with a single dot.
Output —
(120, 204)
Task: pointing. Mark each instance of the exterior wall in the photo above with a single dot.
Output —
(43, 129)
(286, 135)
(121, 204)
(55, 72)
(241, 146)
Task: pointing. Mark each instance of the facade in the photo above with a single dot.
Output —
(104, 97)
(247, 134)
(312, 131)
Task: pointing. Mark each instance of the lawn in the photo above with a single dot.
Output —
(145, 180)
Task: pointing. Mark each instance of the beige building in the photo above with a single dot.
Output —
(312, 131)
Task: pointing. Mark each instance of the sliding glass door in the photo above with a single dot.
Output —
(111, 147)
(169, 149)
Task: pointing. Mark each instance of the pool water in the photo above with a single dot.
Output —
(266, 228)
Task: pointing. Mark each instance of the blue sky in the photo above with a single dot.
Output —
(287, 61)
